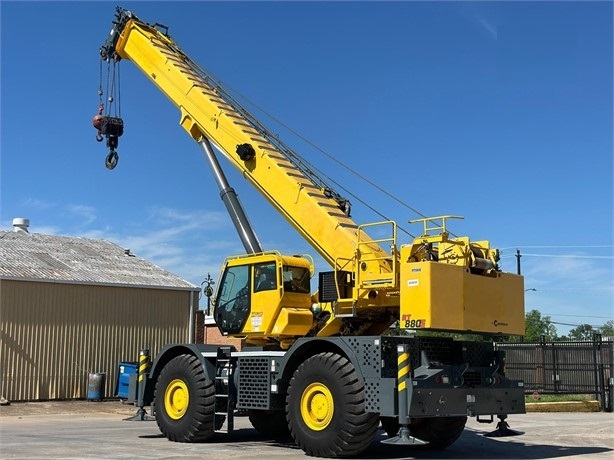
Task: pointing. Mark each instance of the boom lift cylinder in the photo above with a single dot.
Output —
(231, 200)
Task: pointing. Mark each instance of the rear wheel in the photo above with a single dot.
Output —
(185, 400)
(325, 408)
(271, 423)
(440, 432)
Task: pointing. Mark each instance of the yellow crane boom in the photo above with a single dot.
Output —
(319, 214)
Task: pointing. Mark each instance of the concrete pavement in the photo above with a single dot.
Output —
(98, 430)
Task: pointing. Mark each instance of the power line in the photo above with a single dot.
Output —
(575, 325)
(579, 316)
(605, 289)
(543, 247)
(572, 256)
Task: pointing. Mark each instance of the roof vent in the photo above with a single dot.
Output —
(21, 225)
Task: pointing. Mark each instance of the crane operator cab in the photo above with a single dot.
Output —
(264, 297)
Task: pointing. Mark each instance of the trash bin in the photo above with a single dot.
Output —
(96, 386)
(125, 370)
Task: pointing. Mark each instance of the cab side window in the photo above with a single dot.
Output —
(265, 277)
(296, 279)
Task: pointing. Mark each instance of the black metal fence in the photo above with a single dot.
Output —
(564, 367)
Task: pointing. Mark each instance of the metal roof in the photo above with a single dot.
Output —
(73, 260)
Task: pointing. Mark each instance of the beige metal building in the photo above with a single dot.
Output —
(73, 307)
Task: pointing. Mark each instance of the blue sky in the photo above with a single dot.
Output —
(500, 112)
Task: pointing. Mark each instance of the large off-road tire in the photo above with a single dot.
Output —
(325, 408)
(185, 400)
(440, 432)
(270, 423)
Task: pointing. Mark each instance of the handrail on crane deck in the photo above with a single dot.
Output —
(436, 226)
(381, 280)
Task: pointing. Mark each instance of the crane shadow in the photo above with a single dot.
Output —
(471, 444)
(466, 447)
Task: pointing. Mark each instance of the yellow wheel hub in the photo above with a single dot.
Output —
(317, 406)
(176, 399)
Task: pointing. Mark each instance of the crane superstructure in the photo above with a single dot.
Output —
(309, 349)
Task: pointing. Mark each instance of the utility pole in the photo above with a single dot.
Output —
(518, 256)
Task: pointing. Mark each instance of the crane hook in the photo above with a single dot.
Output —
(111, 160)
(97, 122)
(111, 128)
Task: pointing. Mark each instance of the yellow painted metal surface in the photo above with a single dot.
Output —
(447, 297)
(317, 406)
(176, 399)
(314, 215)
(293, 321)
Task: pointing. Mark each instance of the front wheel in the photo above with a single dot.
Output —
(325, 408)
(185, 400)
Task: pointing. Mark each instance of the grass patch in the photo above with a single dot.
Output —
(558, 398)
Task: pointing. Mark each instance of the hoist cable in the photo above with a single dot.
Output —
(100, 91)
(299, 161)
(352, 171)
(107, 101)
(111, 95)
(293, 157)
(118, 106)
(288, 151)
(364, 203)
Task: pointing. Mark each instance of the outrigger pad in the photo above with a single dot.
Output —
(141, 416)
(405, 439)
(503, 430)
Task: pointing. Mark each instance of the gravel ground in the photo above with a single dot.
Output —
(78, 406)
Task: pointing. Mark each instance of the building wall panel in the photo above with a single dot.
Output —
(53, 335)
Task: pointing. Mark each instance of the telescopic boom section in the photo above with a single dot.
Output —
(318, 213)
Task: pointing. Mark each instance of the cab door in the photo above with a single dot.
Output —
(233, 302)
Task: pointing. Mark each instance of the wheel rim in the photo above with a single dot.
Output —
(176, 399)
(317, 406)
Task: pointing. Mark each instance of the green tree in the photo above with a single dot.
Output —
(537, 325)
(582, 332)
(607, 330)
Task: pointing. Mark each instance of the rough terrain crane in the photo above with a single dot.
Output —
(319, 364)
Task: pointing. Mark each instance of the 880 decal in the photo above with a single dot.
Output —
(407, 322)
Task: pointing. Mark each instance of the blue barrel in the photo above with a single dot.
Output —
(125, 370)
(95, 386)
